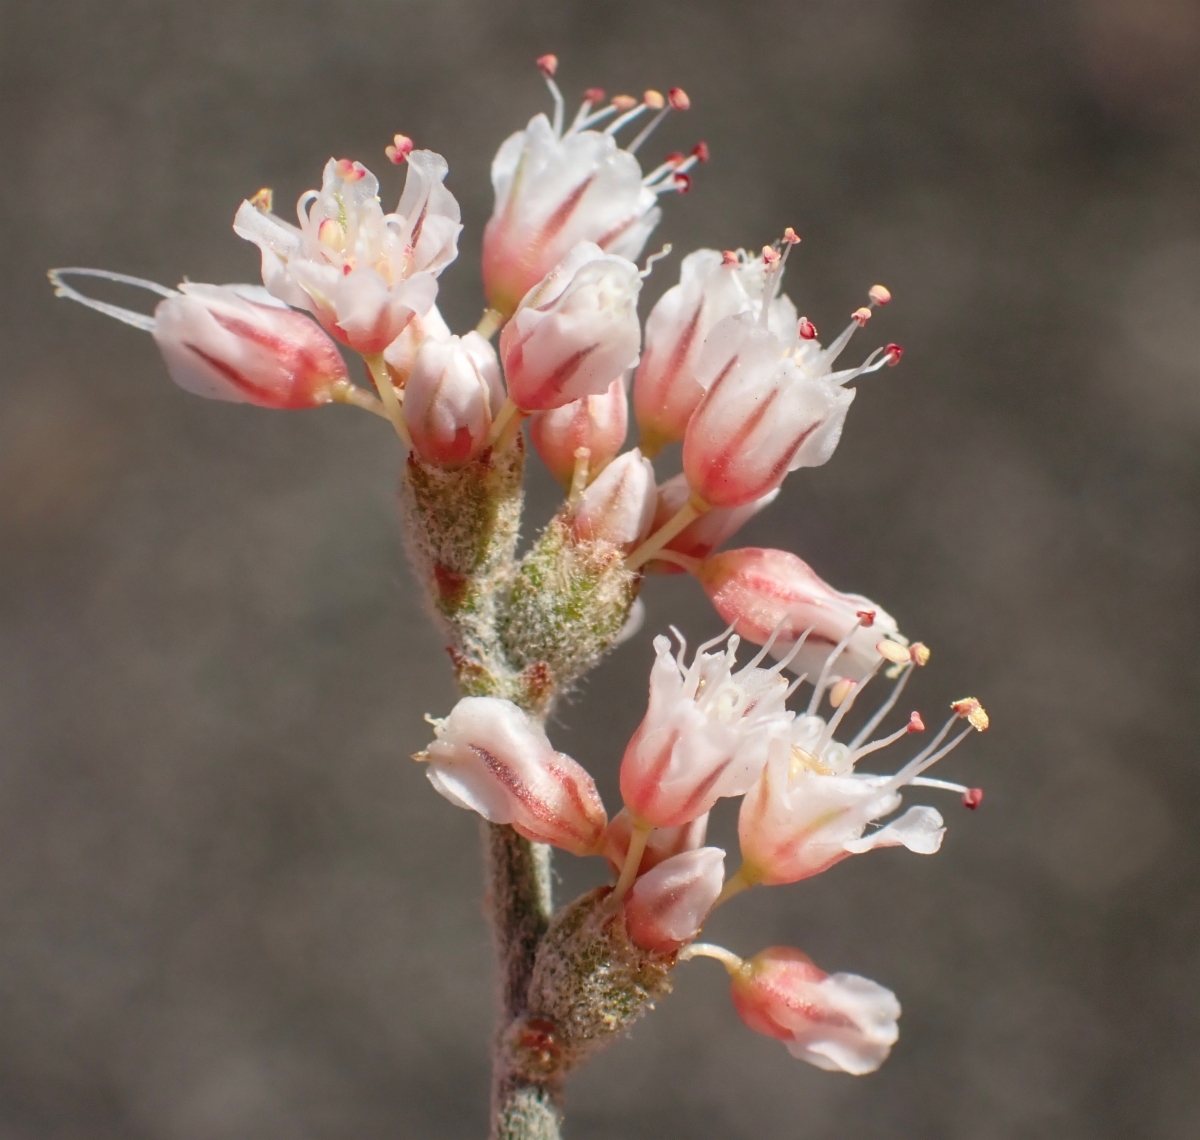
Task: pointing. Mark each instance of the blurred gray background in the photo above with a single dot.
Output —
(230, 907)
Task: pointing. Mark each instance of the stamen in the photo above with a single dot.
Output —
(591, 97)
(627, 117)
(264, 200)
(944, 785)
(879, 294)
(791, 689)
(760, 656)
(972, 712)
(842, 707)
(548, 65)
(972, 798)
(678, 98)
(915, 724)
(806, 329)
(775, 263)
(727, 958)
(399, 149)
(700, 151)
(649, 267)
(823, 679)
(682, 643)
(861, 316)
(128, 316)
(892, 353)
(784, 662)
(883, 710)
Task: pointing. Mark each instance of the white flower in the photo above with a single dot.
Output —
(361, 272)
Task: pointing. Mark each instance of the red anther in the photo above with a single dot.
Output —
(915, 723)
(594, 95)
(700, 151)
(399, 149)
(624, 102)
(867, 617)
(729, 257)
(893, 352)
(350, 171)
(791, 237)
(861, 316)
(879, 294)
(972, 798)
(675, 158)
(682, 183)
(679, 99)
(263, 200)
(547, 65)
(806, 329)
(770, 255)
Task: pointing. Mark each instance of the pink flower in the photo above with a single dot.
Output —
(555, 189)
(703, 535)
(362, 273)
(452, 392)
(662, 843)
(839, 1022)
(400, 354)
(772, 594)
(618, 507)
(667, 906)
(492, 758)
(712, 286)
(702, 737)
(573, 332)
(598, 423)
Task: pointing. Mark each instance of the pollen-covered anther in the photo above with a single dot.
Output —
(972, 798)
(892, 354)
(700, 151)
(915, 723)
(972, 712)
(729, 257)
(624, 102)
(678, 98)
(879, 294)
(919, 653)
(547, 65)
(350, 171)
(264, 200)
(398, 149)
(840, 691)
(893, 651)
(655, 100)
(594, 95)
(791, 237)
(806, 329)
(861, 316)
(866, 618)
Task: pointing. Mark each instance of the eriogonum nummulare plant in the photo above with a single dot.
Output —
(722, 366)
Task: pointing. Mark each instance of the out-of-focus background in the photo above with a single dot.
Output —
(230, 907)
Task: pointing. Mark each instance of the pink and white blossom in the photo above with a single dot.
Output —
(362, 273)
(667, 906)
(573, 331)
(490, 757)
(598, 423)
(772, 595)
(400, 354)
(838, 1022)
(555, 188)
(662, 843)
(453, 391)
(712, 286)
(703, 736)
(618, 507)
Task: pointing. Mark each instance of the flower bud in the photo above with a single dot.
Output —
(492, 758)
(619, 506)
(764, 592)
(400, 354)
(573, 332)
(762, 415)
(702, 536)
(553, 192)
(219, 344)
(451, 393)
(838, 1022)
(703, 735)
(598, 423)
(663, 842)
(667, 906)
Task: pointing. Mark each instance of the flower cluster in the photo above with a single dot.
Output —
(723, 367)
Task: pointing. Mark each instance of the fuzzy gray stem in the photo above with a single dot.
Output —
(519, 906)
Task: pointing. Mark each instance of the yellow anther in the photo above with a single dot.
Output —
(919, 652)
(972, 712)
(264, 200)
(893, 651)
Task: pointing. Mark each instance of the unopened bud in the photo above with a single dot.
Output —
(450, 398)
(838, 1022)
(667, 906)
(598, 423)
(494, 759)
(574, 331)
(618, 507)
